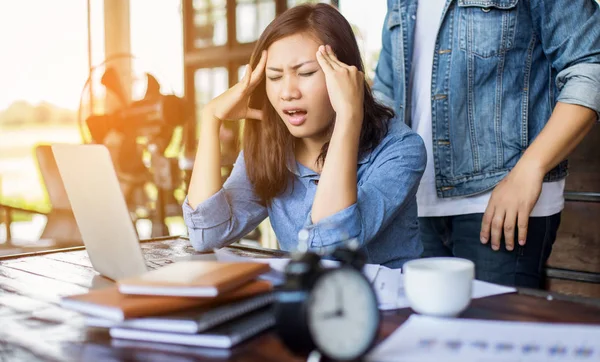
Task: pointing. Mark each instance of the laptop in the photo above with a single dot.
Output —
(101, 212)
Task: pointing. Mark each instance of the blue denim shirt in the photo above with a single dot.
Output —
(383, 220)
(499, 68)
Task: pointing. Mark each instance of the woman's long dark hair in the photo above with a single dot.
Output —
(267, 144)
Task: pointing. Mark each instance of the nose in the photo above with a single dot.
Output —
(289, 89)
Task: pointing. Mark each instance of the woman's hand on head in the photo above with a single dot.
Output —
(232, 105)
(345, 85)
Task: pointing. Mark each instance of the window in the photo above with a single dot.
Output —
(252, 17)
(367, 20)
(219, 37)
(209, 23)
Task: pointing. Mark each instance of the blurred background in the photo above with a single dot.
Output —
(76, 71)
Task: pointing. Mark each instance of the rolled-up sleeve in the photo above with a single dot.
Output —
(388, 185)
(580, 84)
(383, 82)
(343, 225)
(228, 215)
(571, 40)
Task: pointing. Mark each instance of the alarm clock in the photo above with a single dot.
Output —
(331, 310)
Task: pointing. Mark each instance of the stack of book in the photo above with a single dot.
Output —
(199, 303)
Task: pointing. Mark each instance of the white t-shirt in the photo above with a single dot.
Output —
(429, 15)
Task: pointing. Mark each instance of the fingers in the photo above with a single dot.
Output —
(258, 72)
(332, 57)
(492, 225)
(486, 225)
(509, 230)
(257, 114)
(327, 58)
(504, 221)
(497, 228)
(253, 77)
(247, 76)
(323, 60)
(523, 224)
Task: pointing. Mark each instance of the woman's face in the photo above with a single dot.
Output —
(296, 87)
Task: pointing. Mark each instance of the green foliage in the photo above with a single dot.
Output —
(22, 203)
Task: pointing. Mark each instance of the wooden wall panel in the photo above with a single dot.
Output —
(574, 288)
(577, 246)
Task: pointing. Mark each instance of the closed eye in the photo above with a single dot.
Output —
(274, 78)
(307, 74)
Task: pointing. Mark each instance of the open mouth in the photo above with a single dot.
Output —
(295, 116)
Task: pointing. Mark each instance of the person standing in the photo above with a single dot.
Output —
(501, 91)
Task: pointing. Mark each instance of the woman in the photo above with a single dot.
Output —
(317, 152)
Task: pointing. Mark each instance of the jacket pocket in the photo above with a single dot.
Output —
(487, 27)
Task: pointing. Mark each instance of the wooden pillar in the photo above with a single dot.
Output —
(7, 222)
(117, 45)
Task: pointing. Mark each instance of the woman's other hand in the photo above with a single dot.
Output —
(345, 85)
(232, 105)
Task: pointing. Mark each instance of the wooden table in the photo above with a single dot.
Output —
(33, 326)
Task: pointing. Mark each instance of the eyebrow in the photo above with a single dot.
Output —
(294, 67)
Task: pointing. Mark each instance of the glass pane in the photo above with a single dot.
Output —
(209, 83)
(246, 20)
(158, 50)
(252, 17)
(210, 23)
(205, 4)
(266, 14)
(292, 3)
(367, 21)
(241, 71)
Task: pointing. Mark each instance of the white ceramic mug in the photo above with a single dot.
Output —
(439, 287)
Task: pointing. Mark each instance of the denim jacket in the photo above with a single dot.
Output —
(499, 68)
(383, 220)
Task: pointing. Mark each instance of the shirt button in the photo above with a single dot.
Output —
(413, 17)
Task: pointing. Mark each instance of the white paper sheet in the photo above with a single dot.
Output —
(388, 283)
(484, 289)
(423, 338)
(391, 281)
(389, 287)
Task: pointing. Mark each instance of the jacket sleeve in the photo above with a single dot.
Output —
(228, 215)
(571, 40)
(383, 86)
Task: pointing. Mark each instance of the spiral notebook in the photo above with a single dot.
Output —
(225, 335)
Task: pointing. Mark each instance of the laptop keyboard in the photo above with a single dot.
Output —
(157, 263)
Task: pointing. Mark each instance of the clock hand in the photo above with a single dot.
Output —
(339, 310)
(339, 302)
(332, 315)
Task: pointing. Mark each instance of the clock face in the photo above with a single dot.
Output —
(343, 315)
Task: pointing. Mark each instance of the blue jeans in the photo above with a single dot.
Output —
(459, 236)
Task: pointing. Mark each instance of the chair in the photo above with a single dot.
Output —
(60, 227)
